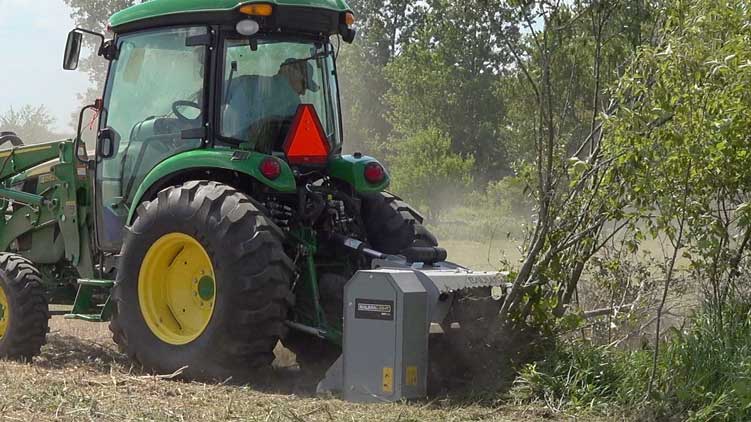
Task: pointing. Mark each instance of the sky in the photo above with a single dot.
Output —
(32, 41)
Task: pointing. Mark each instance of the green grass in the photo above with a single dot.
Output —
(703, 373)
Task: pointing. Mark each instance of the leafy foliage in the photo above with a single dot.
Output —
(444, 78)
(427, 171)
(690, 125)
(704, 373)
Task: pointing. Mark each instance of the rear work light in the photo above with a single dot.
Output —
(306, 141)
(374, 173)
(257, 9)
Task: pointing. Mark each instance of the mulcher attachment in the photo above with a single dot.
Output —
(390, 315)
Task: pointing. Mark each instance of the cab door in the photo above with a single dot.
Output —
(154, 108)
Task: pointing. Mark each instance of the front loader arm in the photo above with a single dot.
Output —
(57, 203)
(19, 159)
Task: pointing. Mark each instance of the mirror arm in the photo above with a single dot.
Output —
(107, 49)
(96, 34)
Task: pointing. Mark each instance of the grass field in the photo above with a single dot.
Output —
(81, 376)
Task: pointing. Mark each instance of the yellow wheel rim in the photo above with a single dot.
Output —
(4, 312)
(177, 289)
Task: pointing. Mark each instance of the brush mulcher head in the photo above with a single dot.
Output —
(396, 316)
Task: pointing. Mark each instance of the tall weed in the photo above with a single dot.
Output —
(703, 374)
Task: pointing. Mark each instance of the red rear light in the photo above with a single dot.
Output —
(270, 168)
(374, 173)
(306, 141)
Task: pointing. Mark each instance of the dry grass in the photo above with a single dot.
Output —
(81, 376)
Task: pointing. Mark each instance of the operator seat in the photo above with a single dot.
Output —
(253, 98)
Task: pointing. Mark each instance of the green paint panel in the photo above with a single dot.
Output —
(351, 169)
(245, 162)
(159, 8)
(19, 159)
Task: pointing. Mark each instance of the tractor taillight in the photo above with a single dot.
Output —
(270, 168)
(306, 141)
(374, 173)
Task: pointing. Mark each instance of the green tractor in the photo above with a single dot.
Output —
(217, 215)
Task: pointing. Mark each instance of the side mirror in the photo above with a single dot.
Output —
(106, 143)
(348, 35)
(80, 145)
(72, 50)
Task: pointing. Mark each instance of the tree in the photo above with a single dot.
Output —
(31, 124)
(680, 145)
(569, 173)
(384, 28)
(445, 76)
(94, 15)
(426, 171)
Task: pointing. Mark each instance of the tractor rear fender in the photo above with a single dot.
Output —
(351, 169)
(215, 164)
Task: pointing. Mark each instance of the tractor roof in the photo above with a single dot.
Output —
(153, 10)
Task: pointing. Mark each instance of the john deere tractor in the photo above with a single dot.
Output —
(217, 215)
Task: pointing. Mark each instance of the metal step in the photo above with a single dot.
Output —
(96, 283)
(85, 317)
(85, 308)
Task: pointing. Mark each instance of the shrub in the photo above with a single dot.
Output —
(428, 174)
(704, 373)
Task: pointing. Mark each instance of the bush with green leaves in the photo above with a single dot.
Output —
(428, 174)
(704, 374)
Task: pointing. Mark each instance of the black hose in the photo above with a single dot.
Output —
(12, 138)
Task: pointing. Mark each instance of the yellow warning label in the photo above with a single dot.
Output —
(47, 178)
(411, 375)
(388, 380)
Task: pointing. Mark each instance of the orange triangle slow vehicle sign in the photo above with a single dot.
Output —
(306, 141)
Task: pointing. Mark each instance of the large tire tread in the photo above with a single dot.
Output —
(392, 225)
(29, 311)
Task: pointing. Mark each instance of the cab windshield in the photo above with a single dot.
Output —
(265, 84)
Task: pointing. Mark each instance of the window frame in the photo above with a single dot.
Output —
(207, 106)
(208, 64)
(221, 67)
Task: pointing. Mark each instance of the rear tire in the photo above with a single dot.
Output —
(24, 316)
(392, 225)
(249, 295)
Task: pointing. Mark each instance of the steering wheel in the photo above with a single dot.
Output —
(177, 105)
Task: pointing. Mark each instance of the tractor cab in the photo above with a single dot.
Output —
(209, 74)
